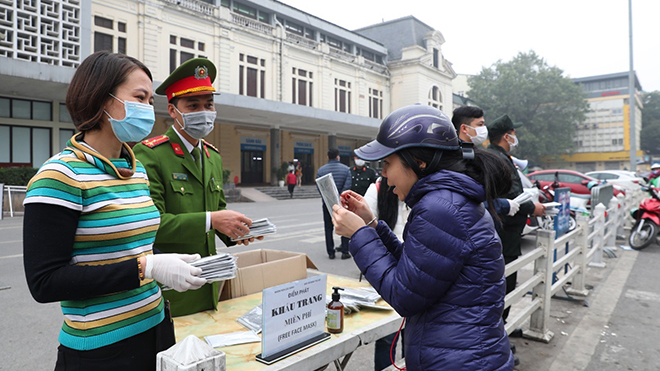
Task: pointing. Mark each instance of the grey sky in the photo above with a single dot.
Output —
(582, 37)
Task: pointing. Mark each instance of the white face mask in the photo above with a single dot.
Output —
(513, 145)
(197, 124)
(359, 163)
(480, 137)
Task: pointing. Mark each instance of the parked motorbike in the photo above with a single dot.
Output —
(647, 220)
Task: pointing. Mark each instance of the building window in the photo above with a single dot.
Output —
(436, 58)
(24, 146)
(64, 114)
(302, 86)
(435, 98)
(252, 76)
(376, 103)
(245, 10)
(25, 109)
(294, 28)
(121, 45)
(184, 51)
(620, 141)
(102, 42)
(65, 135)
(187, 43)
(224, 3)
(103, 22)
(342, 96)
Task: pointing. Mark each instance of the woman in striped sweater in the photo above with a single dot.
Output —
(90, 224)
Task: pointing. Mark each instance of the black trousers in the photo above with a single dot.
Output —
(329, 238)
(135, 353)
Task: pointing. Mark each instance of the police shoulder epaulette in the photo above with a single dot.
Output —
(153, 142)
(210, 146)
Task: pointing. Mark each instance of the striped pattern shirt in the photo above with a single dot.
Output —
(118, 221)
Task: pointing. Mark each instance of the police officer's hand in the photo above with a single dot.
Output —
(230, 223)
(248, 240)
(346, 222)
(539, 209)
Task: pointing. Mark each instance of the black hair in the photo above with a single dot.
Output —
(464, 115)
(333, 153)
(496, 137)
(387, 204)
(487, 168)
(95, 79)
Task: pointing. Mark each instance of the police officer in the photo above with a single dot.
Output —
(503, 140)
(185, 175)
(361, 176)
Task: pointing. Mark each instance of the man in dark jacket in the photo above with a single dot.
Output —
(502, 136)
(342, 176)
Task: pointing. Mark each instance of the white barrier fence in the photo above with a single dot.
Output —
(581, 247)
(10, 192)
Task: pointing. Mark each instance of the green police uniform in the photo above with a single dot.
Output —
(182, 192)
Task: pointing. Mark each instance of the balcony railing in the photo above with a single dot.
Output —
(340, 54)
(375, 66)
(252, 24)
(302, 41)
(194, 5)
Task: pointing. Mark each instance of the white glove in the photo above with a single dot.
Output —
(513, 207)
(173, 270)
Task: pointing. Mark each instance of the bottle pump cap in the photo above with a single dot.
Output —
(335, 295)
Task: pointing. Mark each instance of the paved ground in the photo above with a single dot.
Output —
(617, 331)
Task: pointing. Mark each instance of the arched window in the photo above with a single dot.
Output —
(435, 98)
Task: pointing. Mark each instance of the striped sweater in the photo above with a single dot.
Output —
(118, 222)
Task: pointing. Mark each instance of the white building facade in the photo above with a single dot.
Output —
(292, 85)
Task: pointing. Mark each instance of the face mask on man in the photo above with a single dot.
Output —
(512, 145)
(481, 135)
(197, 124)
(359, 162)
(137, 123)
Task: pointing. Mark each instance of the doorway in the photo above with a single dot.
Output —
(252, 167)
(307, 161)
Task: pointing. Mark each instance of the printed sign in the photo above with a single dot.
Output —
(292, 314)
(345, 151)
(303, 147)
(253, 144)
(563, 218)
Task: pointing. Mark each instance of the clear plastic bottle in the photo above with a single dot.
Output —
(335, 317)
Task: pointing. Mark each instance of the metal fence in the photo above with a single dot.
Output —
(12, 201)
(565, 259)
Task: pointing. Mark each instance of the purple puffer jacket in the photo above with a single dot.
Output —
(446, 278)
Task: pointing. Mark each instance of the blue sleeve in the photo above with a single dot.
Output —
(347, 182)
(501, 206)
(431, 259)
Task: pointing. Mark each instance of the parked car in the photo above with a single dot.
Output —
(619, 177)
(578, 183)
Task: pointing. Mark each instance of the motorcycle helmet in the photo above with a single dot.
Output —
(414, 126)
(411, 126)
(655, 166)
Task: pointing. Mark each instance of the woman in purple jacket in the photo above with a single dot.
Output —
(447, 277)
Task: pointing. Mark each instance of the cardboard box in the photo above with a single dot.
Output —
(260, 269)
